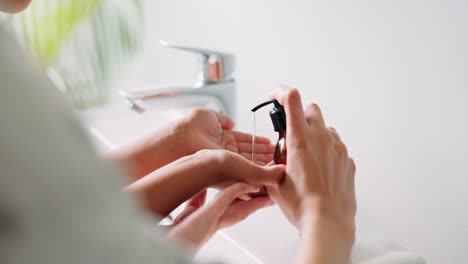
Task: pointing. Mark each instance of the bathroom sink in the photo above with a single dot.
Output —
(266, 236)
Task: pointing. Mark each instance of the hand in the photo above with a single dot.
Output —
(232, 168)
(201, 129)
(317, 195)
(207, 129)
(198, 222)
(182, 179)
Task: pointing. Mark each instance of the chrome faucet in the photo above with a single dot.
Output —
(214, 78)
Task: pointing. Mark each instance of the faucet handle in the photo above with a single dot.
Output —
(216, 66)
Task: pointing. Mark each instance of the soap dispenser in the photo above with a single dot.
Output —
(278, 118)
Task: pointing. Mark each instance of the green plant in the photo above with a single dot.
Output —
(86, 43)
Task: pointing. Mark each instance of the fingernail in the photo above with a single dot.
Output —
(255, 189)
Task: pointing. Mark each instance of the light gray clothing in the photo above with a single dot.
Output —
(58, 202)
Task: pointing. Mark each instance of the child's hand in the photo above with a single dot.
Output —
(199, 222)
(201, 129)
(207, 129)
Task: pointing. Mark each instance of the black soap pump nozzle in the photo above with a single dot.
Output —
(278, 118)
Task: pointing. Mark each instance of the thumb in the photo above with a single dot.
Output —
(225, 121)
(273, 193)
(266, 175)
(290, 98)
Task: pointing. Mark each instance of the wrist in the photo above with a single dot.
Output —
(156, 150)
(219, 164)
(320, 217)
(209, 162)
(326, 240)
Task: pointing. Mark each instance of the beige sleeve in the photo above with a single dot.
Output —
(58, 202)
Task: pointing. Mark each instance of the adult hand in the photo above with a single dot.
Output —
(317, 194)
(201, 129)
(198, 222)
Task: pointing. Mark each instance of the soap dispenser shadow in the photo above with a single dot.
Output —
(278, 118)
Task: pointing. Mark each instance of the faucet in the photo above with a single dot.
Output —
(214, 78)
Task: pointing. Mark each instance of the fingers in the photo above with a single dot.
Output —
(250, 206)
(225, 121)
(217, 207)
(352, 164)
(266, 175)
(259, 147)
(339, 146)
(244, 137)
(335, 135)
(237, 168)
(260, 159)
(228, 195)
(192, 205)
(233, 167)
(291, 100)
(198, 200)
(314, 115)
(240, 210)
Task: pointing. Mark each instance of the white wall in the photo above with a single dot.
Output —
(391, 76)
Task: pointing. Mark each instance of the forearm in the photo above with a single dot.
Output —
(325, 241)
(323, 249)
(149, 153)
(165, 189)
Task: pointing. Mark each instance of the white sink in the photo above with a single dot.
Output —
(266, 236)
